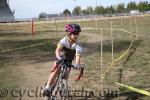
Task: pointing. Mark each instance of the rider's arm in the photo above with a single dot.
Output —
(78, 54)
(60, 45)
(78, 57)
(58, 50)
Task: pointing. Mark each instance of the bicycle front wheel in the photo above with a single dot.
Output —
(63, 89)
(46, 98)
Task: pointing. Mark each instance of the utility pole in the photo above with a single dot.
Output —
(74, 3)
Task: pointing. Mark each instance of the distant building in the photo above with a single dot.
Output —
(6, 15)
(52, 15)
(134, 12)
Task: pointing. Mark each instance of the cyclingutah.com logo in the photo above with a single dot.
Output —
(4, 92)
(21, 92)
(82, 92)
(72, 93)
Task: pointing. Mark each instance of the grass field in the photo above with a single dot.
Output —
(28, 68)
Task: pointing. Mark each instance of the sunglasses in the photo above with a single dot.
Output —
(75, 33)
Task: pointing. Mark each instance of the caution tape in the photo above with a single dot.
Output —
(90, 28)
(120, 57)
(24, 47)
(117, 59)
(128, 32)
(134, 89)
(119, 29)
(111, 66)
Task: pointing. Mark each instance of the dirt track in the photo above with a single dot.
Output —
(36, 74)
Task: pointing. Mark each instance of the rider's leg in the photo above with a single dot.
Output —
(47, 90)
(52, 76)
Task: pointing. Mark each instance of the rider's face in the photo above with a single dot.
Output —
(74, 36)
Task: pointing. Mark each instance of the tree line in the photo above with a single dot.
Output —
(120, 8)
(142, 6)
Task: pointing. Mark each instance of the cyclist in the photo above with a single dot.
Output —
(67, 48)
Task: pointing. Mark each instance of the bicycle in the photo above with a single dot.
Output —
(60, 87)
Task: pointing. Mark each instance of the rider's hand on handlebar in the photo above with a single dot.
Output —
(60, 60)
(77, 66)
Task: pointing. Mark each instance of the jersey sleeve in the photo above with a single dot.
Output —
(79, 49)
(61, 43)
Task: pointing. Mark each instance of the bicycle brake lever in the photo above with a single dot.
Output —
(81, 74)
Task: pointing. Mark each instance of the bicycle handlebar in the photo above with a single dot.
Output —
(81, 70)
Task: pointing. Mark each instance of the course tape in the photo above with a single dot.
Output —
(119, 29)
(117, 59)
(90, 28)
(128, 32)
(134, 89)
(24, 47)
(120, 57)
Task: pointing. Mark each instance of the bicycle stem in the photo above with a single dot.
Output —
(78, 78)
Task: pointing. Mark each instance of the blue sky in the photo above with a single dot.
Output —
(32, 8)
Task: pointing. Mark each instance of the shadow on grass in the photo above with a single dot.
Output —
(125, 96)
(109, 96)
(54, 31)
(132, 95)
(39, 53)
(14, 34)
(119, 45)
(121, 96)
(46, 52)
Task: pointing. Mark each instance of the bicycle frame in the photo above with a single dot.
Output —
(61, 84)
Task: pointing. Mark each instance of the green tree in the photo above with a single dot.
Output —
(121, 8)
(66, 12)
(106, 10)
(99, 10)
(43, 15)
(90, 10)
(111, 10)
(115, 8)
(132, 6)
(144, 6)
(77, 11)
(85, 12)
